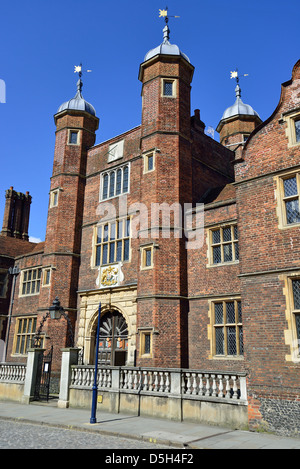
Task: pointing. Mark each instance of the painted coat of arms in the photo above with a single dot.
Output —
(110, 276)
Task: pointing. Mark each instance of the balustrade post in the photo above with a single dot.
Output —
(31, 373)
(175, 384)
(115, 378)
(243, 388)
(69, 358)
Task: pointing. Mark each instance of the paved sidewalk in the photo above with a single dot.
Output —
(166, 432)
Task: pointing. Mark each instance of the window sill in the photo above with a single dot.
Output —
(30, 294)
(222, 264)
(290, 225)
(228, 357)
(113, 197)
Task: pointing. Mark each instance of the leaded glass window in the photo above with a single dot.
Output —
(168, 88)
(113, 242)
(297, 130)
(228, 328)
(296, 308)
(224, 245)
(291, 199)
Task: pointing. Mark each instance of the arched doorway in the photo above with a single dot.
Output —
(113, 340)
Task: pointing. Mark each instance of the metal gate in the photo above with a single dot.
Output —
(42, 384)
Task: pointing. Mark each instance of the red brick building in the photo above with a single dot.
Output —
(219, 295)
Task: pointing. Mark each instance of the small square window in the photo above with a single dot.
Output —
(147, 257)
(146, 343)
(54, 198)
(73, 137)
(149, 161)
(46, 277)
(168, 88)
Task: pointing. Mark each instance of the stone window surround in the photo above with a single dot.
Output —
(108, 172)
(78, 137)
(290, 334)
(143, 332)
(212, 228)
(143, 249)
(54, 195)
(290, 118)
(279, 196)
(210, 328)
(146, 161)
(174, 87)
(96, 245)
(31, 280)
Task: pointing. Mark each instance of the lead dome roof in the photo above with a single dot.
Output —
(165, 48)
(78, 103)
(239, 108)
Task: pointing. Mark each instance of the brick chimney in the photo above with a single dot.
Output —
(16, 214)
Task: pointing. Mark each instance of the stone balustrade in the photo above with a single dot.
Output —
(12, 373)
(186, 383)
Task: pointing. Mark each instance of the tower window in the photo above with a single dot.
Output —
(149, 162)
(168, 88)
(73, 137)
(146, 343)
(54, 198)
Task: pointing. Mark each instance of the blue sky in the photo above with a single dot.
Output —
(41, 42)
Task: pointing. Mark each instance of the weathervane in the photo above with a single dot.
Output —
(164, 14)
(78, 69)
(235, 74)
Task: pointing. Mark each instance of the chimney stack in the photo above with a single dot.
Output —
(16, 214)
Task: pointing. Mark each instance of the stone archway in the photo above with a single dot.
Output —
(113, 342)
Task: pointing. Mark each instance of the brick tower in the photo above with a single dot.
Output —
(166, 76)
(76, 123)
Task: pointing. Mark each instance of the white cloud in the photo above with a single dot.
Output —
(32, 239)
